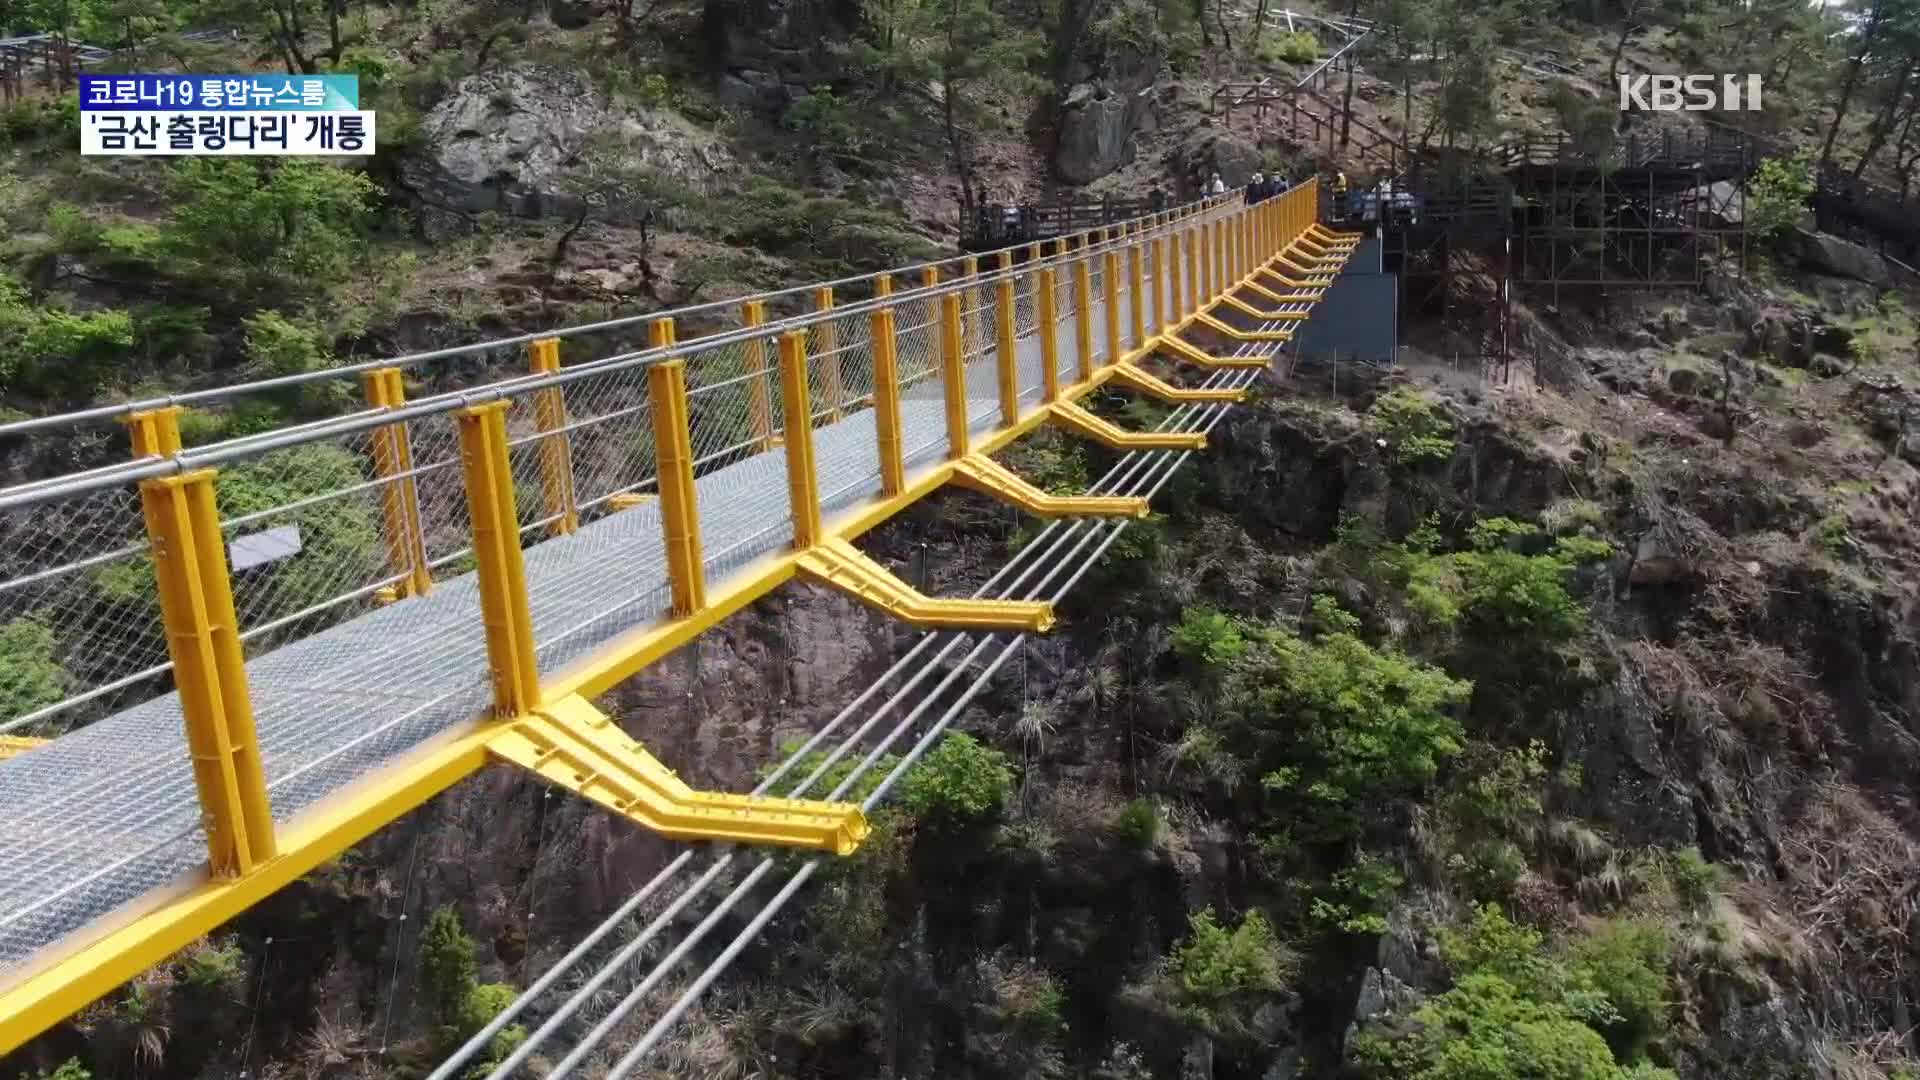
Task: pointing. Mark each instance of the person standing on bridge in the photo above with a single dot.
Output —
(1254, 187)
(1157, 199)
(1215, 187)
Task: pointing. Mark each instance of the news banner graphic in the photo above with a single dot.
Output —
(223, 115)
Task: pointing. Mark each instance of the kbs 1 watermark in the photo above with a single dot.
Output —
(1689, 93)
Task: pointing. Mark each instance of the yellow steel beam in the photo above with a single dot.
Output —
(803, 482)
(972, 312)
(1071, 416)
(1186, 350)
(1083, 316)
(556, 451)
(573, 745)
(1138, 378)
(1006, 359)
(1110, 295)
(496, 553)
(987, 476)
(1046, 313)
(1311, 281)
(15, 745)
(1156, 283)
(673, 458)
(1268, 314)
(1311, 267)
(837, 563)
(953, 377)
(759, 397)
(886, 401)
(1237, 334)
(1137, 293)
(399, 496)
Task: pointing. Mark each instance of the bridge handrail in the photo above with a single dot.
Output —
(109, 413)
(227, 450)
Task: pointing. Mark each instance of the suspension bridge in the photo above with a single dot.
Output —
(252, 653)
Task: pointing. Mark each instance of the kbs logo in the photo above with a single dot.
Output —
(1689, 93)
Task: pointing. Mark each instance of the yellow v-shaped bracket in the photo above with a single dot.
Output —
(571, 744)
(1316, 270)
(1193, 354)
(1322, 233)
(1139, 378)
(1081, 422)
(838, 563)
(989, 477)
(1283, 298)
(1238, 304)
(1313, 280)
(1238, 334)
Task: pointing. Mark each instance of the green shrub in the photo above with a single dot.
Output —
(1290, 47)
(1695, 880)
(70, 1069)
(213, 966)
(30, 676)
(1413, 431)
(340, 544)
(1208, 638)
(294, 226)
(1358, 897)
(1626, 962)
(1485, 1028)
(1138, 823)
(49, 352)
(960, 783)
(1214, 964)
(447, 967)
(1777, 195)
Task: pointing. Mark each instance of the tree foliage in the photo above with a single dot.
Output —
(961, 782)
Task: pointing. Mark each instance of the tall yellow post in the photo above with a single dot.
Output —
(1178, 298)
(803, 484)
(673, 455)
(1110, 288)
(203, 641)
(972, 328)
(1137, 289)
(953, 377)
(496, 552)
(1156, 283)
(556, 453)
(883, 285)
(399, 495)
(759, 396)
(1193, 273)
(1004, 355)
(1049, 320)
(1208, 290)
(886, 402)
(832, 379)
(1083, 317)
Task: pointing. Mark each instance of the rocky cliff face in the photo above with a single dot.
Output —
(770, 52)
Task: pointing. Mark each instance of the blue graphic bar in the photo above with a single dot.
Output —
(219, 93)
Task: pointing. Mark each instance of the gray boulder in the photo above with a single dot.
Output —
(1832, 255)
(501, 140)
(1097, 125)
(521, 142)
(1209, 150)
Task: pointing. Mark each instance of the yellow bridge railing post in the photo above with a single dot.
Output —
(1110, 290)
(399, 495)
(1083, 314)
(1178, 299)
(1049, 320)
(496, 551)
(1206, 293)
(832, 379)
(1007, 370)
(953, 376)
(759, 397)
(1156, 282)
(886, 402)
(556, 452)
(673, 458)
(203, 641)
(972, 313)
(1193, 272)
(803, 484)
(883, 285)
(1137, 289)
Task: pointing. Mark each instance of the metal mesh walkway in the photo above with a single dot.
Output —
(108, 813)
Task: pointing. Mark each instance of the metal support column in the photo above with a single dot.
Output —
(203, 640)
(1049, 319)
(759, 395)
(399, 494)
(1006, 359)
(832, 383)
(673, 458)
(886, 402)
(1110, 294)
(803, 483)
(953, 377)
(1137, 294)
(1083, 317)
(496, 554)
(556, 453)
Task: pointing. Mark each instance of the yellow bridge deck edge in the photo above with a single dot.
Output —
(66, 978)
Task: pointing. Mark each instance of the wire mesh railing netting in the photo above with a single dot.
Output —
(80, 632)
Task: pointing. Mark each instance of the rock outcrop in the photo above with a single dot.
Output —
(770, 52)
(1100, 120)
(518, 141)
(1831, 255)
